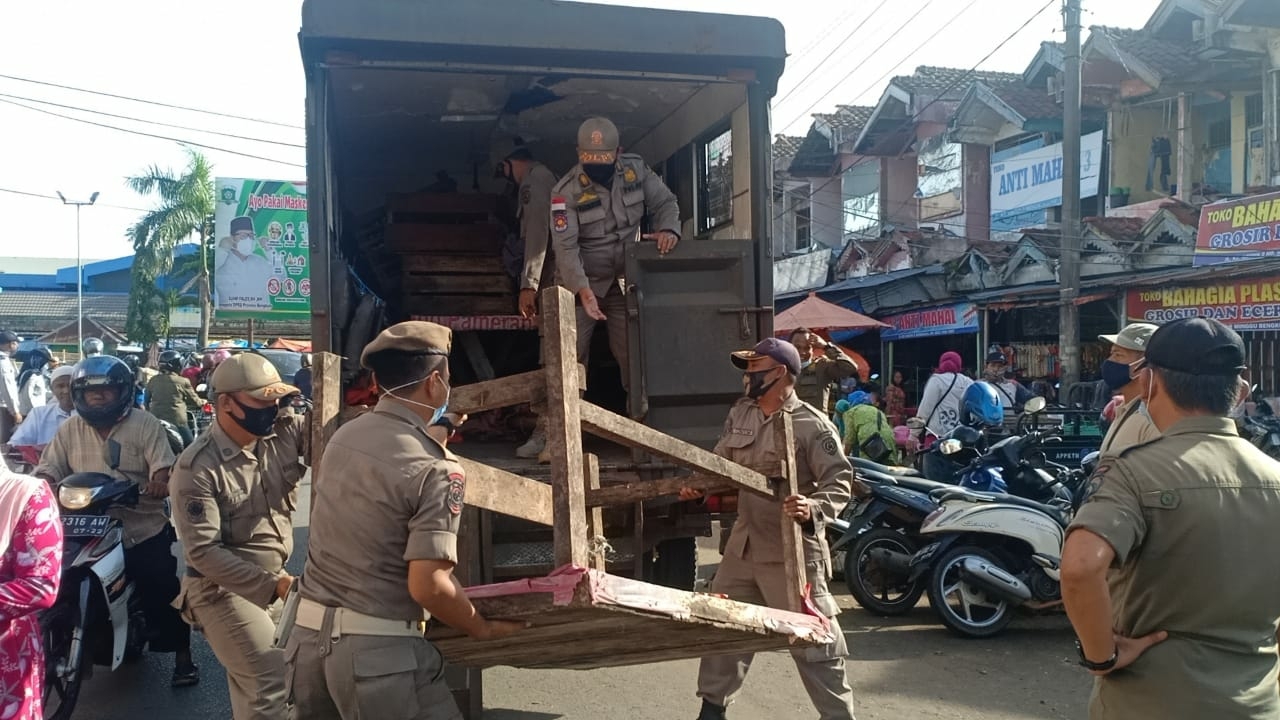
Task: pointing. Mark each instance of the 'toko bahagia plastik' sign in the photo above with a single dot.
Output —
(1244, 304)
(1241, 229)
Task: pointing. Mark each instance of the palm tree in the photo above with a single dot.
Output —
(186, 210)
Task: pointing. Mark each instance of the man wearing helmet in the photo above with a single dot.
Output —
(33, 382)
(108, 436)
(92, 347)
(170, 396)
(596, 208)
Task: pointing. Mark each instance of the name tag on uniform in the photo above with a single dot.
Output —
(742, 431)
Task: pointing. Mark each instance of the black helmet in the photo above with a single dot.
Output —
(170, 360)
(92, 347)
(102, 371)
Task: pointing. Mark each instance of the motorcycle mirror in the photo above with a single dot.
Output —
(950, 446)
(201, 387)
(1038, 460)
(1034, 405)
(915, 423)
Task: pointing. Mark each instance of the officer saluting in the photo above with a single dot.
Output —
(383, 547)
(595, 208)
(752, 569)
(234, 494)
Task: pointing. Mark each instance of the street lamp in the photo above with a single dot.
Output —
(79, 266)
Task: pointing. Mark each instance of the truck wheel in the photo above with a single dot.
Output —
(675, 564)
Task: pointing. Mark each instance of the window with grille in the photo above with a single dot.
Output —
(715, 171)
(1253, 111)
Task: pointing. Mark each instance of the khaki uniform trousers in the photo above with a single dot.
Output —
(614, 306)
(821, 668)
(241, 635)
(366, 677)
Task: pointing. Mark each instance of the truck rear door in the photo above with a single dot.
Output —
(687, 312)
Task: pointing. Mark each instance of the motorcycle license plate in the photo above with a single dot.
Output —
(85, 525)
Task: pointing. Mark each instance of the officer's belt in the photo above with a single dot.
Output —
(349, 622)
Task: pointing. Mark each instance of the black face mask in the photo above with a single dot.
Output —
(600, 174)
(756, 386)
(256, 421)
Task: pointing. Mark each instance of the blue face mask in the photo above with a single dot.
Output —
(437, 412)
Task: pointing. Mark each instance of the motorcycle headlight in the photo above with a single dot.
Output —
(75, 498)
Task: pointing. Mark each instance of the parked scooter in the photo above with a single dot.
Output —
(1263, 427)
(97, 618)
(993, 553)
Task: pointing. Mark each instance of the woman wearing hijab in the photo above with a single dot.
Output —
(943, 393)
(33, 382)
(30, 572)
(895, 400)
(867, 433)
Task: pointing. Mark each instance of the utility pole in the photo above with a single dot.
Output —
(79, 267)
(1069, 260)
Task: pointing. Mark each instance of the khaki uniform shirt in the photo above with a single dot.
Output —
(1192, 518)
(170, 397)
(815, 381)
(824, 476)
(8, 383)
(535, 227)
(144, 450)
(1131, 427)
(233, 506)
(589, 233)
(388, 494)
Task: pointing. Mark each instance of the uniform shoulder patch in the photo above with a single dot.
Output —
(559, 214)
(829, 444)
(195, 510)
(1095, 482)
(526, 193)
(457, 492)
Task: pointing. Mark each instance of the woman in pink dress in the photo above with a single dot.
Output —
(30, 571)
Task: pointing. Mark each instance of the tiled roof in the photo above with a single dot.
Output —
(850, 118)
(1124, 229)
(1166, 58)
(928, 79)
(784, 150)
(992, 250)
(107, 307)
(815, 155)
(1049, 241)
(1030, 103)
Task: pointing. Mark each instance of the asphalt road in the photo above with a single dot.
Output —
(905, 668)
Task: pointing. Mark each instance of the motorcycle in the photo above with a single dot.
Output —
(992, 553)
(22, 459)
(1263, 428)
(97, 618)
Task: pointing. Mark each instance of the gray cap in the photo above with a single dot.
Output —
(1134, 336)
(598, 142)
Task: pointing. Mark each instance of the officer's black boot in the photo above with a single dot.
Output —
(711, 711)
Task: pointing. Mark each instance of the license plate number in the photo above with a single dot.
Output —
(85, 525)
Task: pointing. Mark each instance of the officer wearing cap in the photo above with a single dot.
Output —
(535, 181)
(1181, 632)
(596, 208)
(383, 546)
(234, 492)
(1131, 426)
(752, 568)
(10, 414)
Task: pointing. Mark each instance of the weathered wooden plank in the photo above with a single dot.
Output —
(503, 392)
(792, 540)
(595, 514)
(434, 263)
(507, 493)
(468, 239)
(564, 426)
(326, 398)
(459, 284)
(630, 433)
(427, 304)
(641, 490)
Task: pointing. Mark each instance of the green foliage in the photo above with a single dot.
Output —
(185, 212)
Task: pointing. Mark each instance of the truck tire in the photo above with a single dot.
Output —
(675, 563)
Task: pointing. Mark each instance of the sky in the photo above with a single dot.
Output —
(240, 57)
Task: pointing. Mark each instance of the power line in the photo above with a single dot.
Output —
(150, 122)
(151, 102)
(836, 49)
(150, 135)
(55, 197)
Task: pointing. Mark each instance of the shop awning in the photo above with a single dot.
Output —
(813, 312)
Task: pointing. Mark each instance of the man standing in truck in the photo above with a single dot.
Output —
(595, 208)
(535, 181)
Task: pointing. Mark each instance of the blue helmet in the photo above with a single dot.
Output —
(981, 405)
